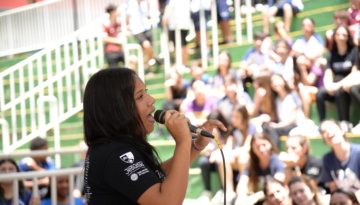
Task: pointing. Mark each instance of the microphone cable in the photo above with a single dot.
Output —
(224, 167)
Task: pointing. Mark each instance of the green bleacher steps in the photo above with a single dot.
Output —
(72, 129)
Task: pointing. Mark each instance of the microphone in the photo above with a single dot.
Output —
(159, 117)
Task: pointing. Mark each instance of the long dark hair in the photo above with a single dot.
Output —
(349, 43)
(229, 57)
(111, 113)
(245, 120)
(22, 189)
(255, 161)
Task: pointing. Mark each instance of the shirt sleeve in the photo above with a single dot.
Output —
(325, 174)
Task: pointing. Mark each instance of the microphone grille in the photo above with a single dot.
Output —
(159, 116)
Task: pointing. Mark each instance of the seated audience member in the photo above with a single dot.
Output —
(353, 12)
(342, 63)
(264, 103)
(275, 192)
(198, 73)
(204, 160)
(298, 161)
(288, 110)
(198, 108)
(8, 166)
(236, 148)
(223, 70)
(177, 16)
(255, 60)
(343, 197)
(176, 90)
(308, 80)
(38, 163)
(340, 18)
(223, 16)
(303, 191)
(197, 6)
(284, 67)
(62, 193)
(234, 95)
(138, 18)
(263, 162)
(113, 40)
(286, 9)
(341, 164)
(308, 48)
(354, 20)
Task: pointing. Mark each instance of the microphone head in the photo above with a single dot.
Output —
(159, 116)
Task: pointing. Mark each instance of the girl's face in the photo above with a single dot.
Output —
(277, 83)
(307, 26)
(277, 194)
(282, 49)
(6, 168)
(332, 133)
(145, 105)
(262, 148)
(236, 119)
(340, 199)
(301, 193)
(293, 147)
(341, 35)
(224, 61)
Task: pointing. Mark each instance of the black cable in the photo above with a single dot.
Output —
(223, 160)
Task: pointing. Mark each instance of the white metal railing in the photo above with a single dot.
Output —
(15, 177)
(59, 71)
(34, 26)
(71, 172)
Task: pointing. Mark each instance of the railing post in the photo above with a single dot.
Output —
(54, 114)
(5, 135)
(164, 39)
(140, 56)
(178, 48)
(203, 36)
(238, 22)
(249, 21)
(215, 39)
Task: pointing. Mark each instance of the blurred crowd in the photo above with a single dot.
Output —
(265, 97)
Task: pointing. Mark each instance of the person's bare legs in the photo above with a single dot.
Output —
(267, 14)
(185, 54)
(225, 30)
(288, 15)
(147, 50)
(229, 175)
(306, 100)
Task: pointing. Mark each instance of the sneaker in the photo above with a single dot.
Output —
(218, 198)
(204, 199)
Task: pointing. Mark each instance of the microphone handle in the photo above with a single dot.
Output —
(197, 130)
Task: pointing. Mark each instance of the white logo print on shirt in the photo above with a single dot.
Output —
(127, 157)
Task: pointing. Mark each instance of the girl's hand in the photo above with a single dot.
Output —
(209, 126)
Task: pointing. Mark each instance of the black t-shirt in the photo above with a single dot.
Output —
(341, 64)
(116, 173)
(313, 168)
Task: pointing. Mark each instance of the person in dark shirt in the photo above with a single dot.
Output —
(342, 64)
(121, 166)
(298, 160)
